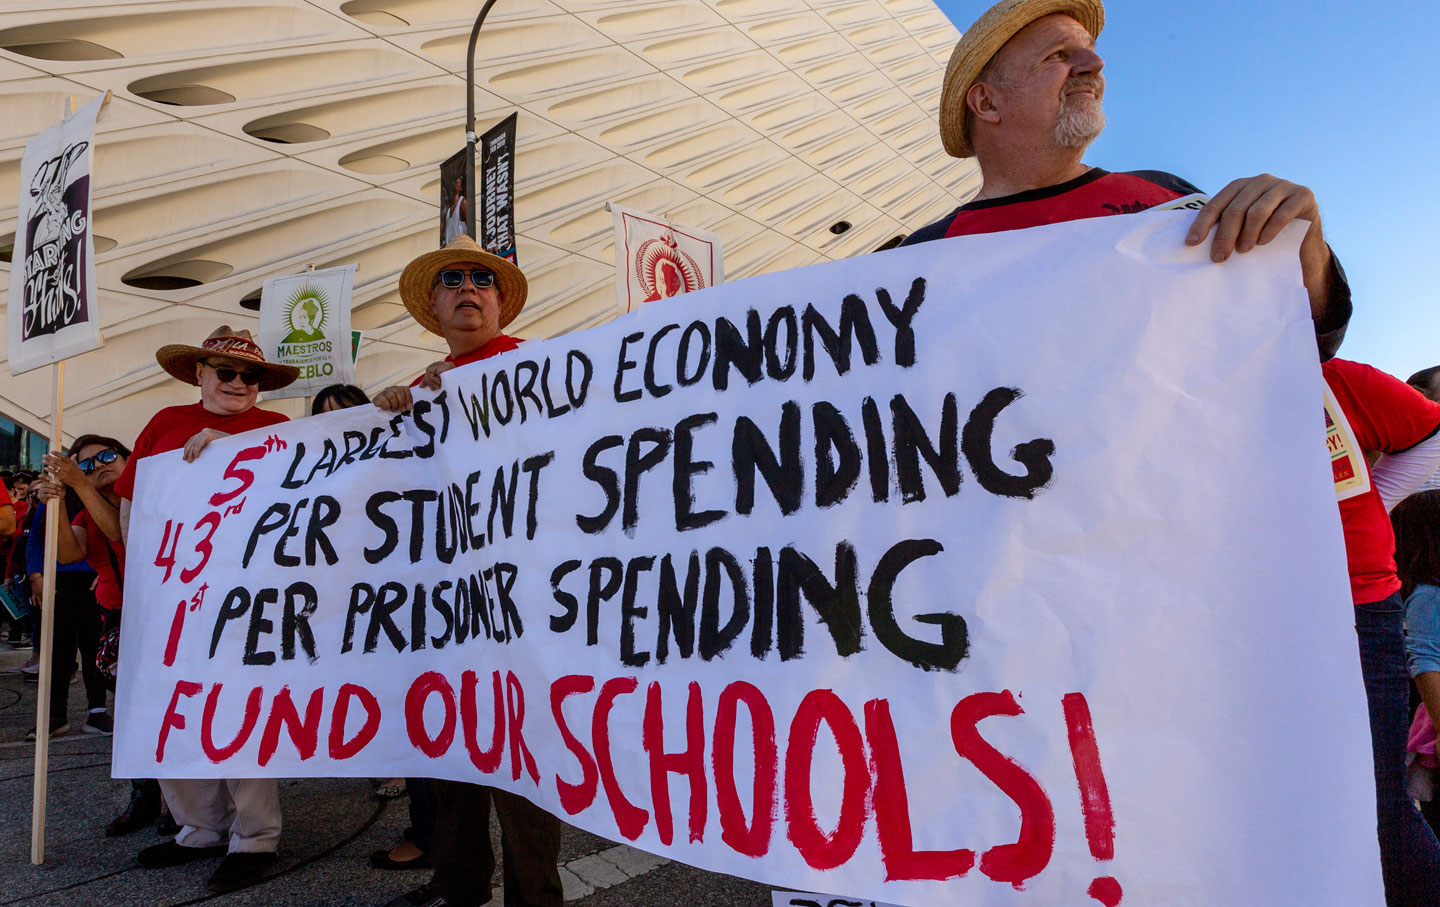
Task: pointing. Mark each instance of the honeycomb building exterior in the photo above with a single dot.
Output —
(248, 139)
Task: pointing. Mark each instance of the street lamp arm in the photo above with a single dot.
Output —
(470, 137)
(470, 70)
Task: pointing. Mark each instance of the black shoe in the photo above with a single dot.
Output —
(169, 853)
(142, 809)
(99, 723)
(166, 825)
(424, 896)
(241, 870)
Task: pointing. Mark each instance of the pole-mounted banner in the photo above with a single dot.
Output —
(657, 259)
(497, 187)
(51, 314)
(455, 198)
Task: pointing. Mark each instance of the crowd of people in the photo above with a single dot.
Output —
(1022, 94)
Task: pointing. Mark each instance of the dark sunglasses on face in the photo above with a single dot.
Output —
(227, 374)
(103, 458)
(455, 278)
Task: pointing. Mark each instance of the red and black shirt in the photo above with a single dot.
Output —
(1100, 193)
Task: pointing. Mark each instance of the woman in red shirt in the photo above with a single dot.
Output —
(91, 469)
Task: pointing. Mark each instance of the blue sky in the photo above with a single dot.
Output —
(1342, 97)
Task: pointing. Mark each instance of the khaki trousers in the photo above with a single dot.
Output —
(246, 810)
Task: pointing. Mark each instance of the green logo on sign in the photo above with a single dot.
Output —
(306, 310)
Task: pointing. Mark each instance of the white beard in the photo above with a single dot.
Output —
(1079, 122)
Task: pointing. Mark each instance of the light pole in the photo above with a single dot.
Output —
(470, 137)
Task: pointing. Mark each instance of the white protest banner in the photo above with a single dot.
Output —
(305, 322)
(51, 314)
(930, 577)
(655, 259)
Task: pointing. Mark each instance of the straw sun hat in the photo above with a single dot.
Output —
(419, 277)
(983, 40)
(224, 343)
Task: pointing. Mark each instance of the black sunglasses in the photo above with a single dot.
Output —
(103, 458)
(226, 374)
(454, 278)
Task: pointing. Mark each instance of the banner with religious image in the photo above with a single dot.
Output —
(51, 311)
(657, 259)
(903, 577)
(305, 322)
(455, 201)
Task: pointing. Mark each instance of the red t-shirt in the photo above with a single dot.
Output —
(1100, 193)
(170, 428)
(7, 540)
(501, 344)
(106, 558)
(1381, 413)
(1096, 193)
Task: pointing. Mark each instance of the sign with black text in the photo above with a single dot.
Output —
(932, 577)
(305, 322)
(51, 308)
(497, 188)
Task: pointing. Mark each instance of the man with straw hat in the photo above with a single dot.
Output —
(239, 818)
(468, 296)
(1022, 95)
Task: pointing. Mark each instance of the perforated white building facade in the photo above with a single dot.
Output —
(252, 138)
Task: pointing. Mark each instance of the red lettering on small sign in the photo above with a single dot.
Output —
(892, 809)
(340, 748)
(821, 850)
(574, 796)
(202, 547)
(173, 719)
(515, 721)
(305, 734)
(629, 818)
(751, 839)
(218, 754)
(172, 643)
(1105, 890)
(1024, 859)
(244, 476)
(689, 762)
(162, 557)
(1094, 794)
(486, 760)
(421, 690)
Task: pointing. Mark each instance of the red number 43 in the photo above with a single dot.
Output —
(165, 557)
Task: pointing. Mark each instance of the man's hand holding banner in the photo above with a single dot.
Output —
(932, 577)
